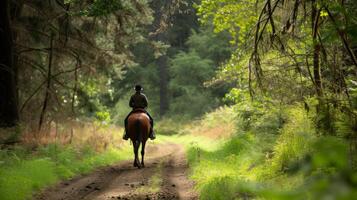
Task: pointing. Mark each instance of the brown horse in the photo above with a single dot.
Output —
(138, 131)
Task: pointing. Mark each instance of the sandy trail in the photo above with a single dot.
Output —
(164, 177)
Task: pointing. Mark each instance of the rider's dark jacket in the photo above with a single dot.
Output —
(138, 100)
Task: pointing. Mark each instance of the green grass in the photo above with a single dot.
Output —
(191, 141)
(290, 163)
(22, 174)
(239, 168)
(220, 173)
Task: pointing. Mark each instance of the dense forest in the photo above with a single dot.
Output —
(260, 94)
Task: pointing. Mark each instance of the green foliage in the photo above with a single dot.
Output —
(190, 63)
(283, 148)
(102, 8)
(222, 115)
(328, 171)
(92, 48)
(210, 46)
(190, 71)
(103, 117)
(346, 120)
(121, 110)
(292, 163)
(194, 57)
(237, 17)
(260, 116)
(330, 153)
(223, 172)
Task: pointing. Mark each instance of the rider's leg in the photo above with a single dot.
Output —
(125, 136)
(152, 133)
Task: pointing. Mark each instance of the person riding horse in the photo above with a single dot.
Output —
(138, 101)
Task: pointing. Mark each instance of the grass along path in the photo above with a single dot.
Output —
(23, 174)
(287, 162)
(164, 176)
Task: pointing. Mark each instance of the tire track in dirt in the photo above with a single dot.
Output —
(164, 177)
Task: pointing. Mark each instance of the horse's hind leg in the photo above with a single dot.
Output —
(136, 156)
(143, 153)
(135, 153)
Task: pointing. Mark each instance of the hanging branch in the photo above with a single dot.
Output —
(290, 25)
(34, 65)
(255, 51)
(49, 72)
(259, 33)
(251, 91)
(309, 71)
(270, 14)
(75, 88)
(32, 95)
(53, 77)
(258, 36)
(341, 33)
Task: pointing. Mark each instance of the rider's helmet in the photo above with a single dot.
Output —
(138, 88)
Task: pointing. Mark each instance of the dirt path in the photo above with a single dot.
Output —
(164, 177)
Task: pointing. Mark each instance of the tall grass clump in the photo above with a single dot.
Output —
(295, 139)
(229, 171)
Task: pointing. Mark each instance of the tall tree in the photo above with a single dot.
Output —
(8, 101)
(164, 80)
(315, 16)
(160, 28)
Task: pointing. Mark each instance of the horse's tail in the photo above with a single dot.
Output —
(138, 131)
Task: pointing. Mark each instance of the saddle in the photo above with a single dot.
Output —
(136, 110)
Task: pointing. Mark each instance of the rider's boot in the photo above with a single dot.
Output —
(152, 134)
(125, 136)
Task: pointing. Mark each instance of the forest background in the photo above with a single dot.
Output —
(281, 74)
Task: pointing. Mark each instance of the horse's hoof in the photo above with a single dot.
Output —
(135, 165)
(142, 165)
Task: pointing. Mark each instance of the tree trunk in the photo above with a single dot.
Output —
(164, 81)
(316, 49)
(323, 119)
(160, 35)
(8, 102)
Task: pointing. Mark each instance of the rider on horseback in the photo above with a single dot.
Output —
(139, 101)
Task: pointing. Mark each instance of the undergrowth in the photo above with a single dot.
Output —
(25, 170)
(287, 160)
